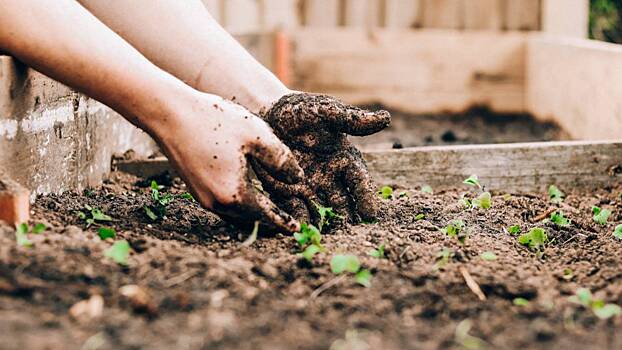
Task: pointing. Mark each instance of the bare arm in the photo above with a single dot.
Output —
(185, 40)
(207, 139)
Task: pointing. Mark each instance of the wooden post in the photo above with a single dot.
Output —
(402, 13)
(362, 13)
(447, 14)
(321, 13)
(522, 15)
(566, 17)
(483, 14)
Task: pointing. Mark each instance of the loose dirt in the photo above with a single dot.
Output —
(198, 287)
(475, 126)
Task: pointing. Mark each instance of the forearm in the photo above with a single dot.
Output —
(183, 39)
(64, 41)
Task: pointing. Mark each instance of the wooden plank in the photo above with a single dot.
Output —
(242, 16)
(483, 14)
(279, 14)
(520, 167)
(446, 14)
(321, 13)
(522, 14)
(402, 13)
(576, 83)
(414, 71)
(362, 13)
(215, 8)
(566, 17)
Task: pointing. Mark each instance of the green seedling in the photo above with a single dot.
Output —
(514, 229)
(187, 196)
(604, 311)
(472, 181)
(465, 202)
(456, 229)
(488, 256)
(555, 195)
(568, 274)
(119, 252)
(326, 215)
(310, 241)
(559, 219)
(159, 202)
(93, 215)
(520, 301)
(535, 239)
(443, 257)
(419, 216)
(106, 232)
(386, 192)
(403, 195)
(617, 232)
(600, 215)
(350, 264)
(253, 236)
(377, 253)
(483, 201)
(427, 189)
(465, 340)
(310, 252)
(22, 230)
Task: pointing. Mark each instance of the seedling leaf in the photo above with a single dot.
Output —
(520, 302)
(617, 232)
(483, 201)
(363, 277)
(534, 239)
(308, 234)
(442, 258)
(427, 189)
(344, 263)
(419, 216)
(99, 215)
(472, 181)
(22, 228)
(514, 229)
(488, 256)
(600, 215)
(607, 311)
(187, 196)
(568, 274)
(326, 215)
(150, 213)
(119, 252)
(39, 228)
(21, 237)
(310, 252)
(377, 253)
(559, 219)
(456, 229)
(386, 192)
(555, 195)
(584, 297)
(106, 232)
(253, 236)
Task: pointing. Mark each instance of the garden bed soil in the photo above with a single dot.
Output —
(203, 289)
(474, 126)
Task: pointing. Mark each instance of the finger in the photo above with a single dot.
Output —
(273, 216)
(276, 158)
(360, 122)
(296, 207)
(361, 188)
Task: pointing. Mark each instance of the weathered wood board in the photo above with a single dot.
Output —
(566, 17)
(320, 13)
(444, 14)
(576, 83)
(403, 13)
(415, 71)
(522, 14)
(483, 14)
(519, 167)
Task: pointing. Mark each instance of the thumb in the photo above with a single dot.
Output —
(359, 122)
(276, 158)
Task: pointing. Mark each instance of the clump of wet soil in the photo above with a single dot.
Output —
(477, 125)
(205, 290)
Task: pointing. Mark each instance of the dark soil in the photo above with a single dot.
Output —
(475, 126)
(204, 290)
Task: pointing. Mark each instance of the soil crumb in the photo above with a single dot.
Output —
(476, 126)
(190, 283)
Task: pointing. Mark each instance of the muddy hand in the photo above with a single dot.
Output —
(211, 148)
(315, 127)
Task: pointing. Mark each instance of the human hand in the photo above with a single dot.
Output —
(210, 143)
(315, 128)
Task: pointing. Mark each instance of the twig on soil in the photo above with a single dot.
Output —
(173, 281)
(573, 237)
(473, 286)
(544, 215)
(333, 282)
(404, 251)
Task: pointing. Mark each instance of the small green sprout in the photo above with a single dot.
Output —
(488, 256)
(600, 215)
(427, 189)
(535, 239)
(22, 230)
(555, 195)
(39, 228)
(483, 201)
(617, 232)
(419, 216)
(377, 253)
(350, 263)
(520, 301)
(584, 297)
(106, 232)
(514, 229)
(310, 252)
(326, 215)
(456, 229)
(403, 195)
(159, 202)
(188, 196)
(253, 236)
(559, 219)
(310, 241)
(386, 192)
(119, 252)
(568, 274)
(93, 215)
(465, 340)
(443, 257)
(472, 181)
(465, 202)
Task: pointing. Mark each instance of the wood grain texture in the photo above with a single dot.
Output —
(483, 14)
(415, 71)
(522, 14)
(520, 167)
(445, 14)
(576, 83)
